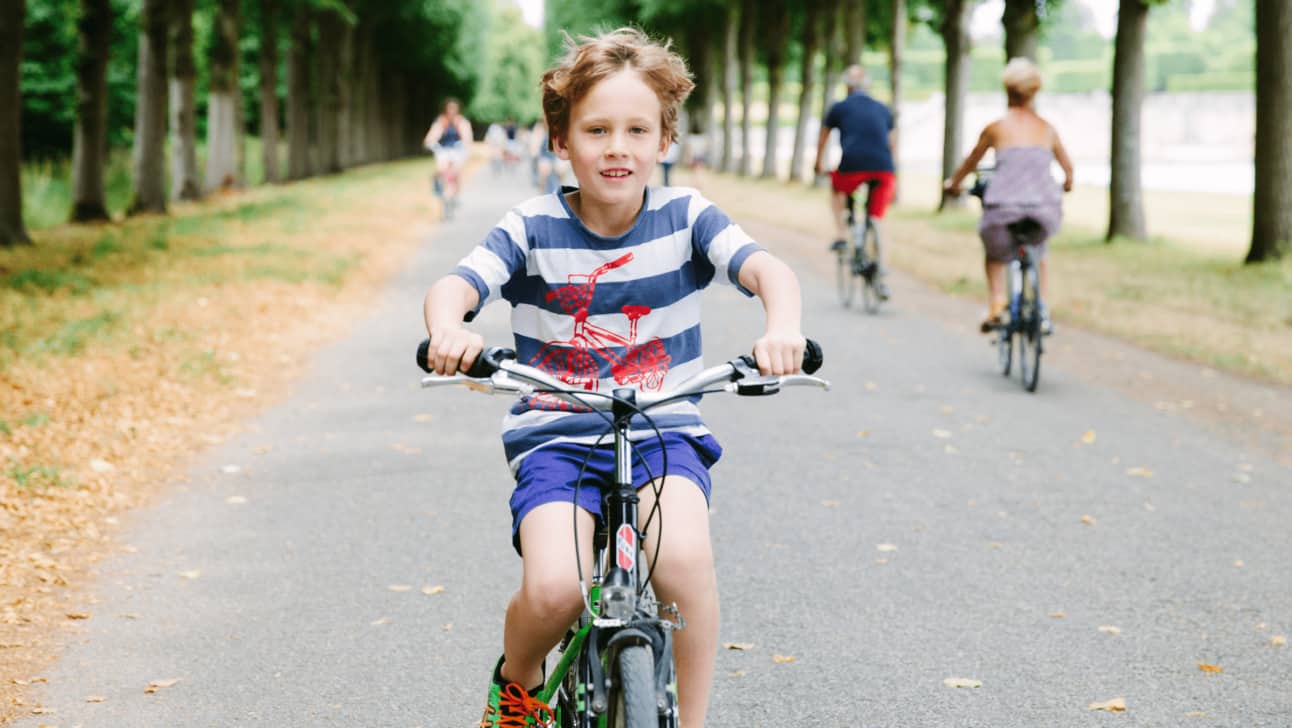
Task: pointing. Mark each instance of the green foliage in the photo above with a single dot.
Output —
(513, 64)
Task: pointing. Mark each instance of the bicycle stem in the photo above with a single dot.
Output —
(619, 588)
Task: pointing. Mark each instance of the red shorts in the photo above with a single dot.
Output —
(848, 182)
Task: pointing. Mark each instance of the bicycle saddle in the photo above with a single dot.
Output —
(1027, 231)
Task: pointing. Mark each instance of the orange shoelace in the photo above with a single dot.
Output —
(518, 706)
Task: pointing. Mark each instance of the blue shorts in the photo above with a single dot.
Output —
(547, 475)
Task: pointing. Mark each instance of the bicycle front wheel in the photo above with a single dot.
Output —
(632, 702)
(869, 268)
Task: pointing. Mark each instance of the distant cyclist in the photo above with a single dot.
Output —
(1021, 186)
(866, 135)
(448, 138)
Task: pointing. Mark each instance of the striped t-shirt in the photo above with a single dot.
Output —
(602, 313)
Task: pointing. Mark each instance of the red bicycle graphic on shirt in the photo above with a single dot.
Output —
(573, 360)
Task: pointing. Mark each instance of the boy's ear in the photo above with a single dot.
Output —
(664, 143)
(558, 146)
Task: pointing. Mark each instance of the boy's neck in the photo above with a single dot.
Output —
(609, 222)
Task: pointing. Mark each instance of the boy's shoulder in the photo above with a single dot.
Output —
(547, 205)
(664, 196)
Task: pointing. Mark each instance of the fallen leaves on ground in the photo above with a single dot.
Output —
(1088, 438)
(962, 682)
(1088, 520)
(1208, 667)
(1279, 640)
(78, 615)
(783, 659)
(738, 645)
(886, 547)
(1057, 615)
(1116, 705)
(155, 685)
(1109, 629)
(431, 591)
(94, 698)
(1139, 472)
(400, 587)
(190, 574)
(942, 434)
(235, 500)
(380, 622)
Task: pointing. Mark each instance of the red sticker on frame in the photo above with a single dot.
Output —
(626, 547)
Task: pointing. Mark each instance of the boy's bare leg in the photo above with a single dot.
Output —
(685, 576)
(549, 599)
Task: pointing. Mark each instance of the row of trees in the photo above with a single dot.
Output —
(364, 76)
(346, 81)
(726, 39)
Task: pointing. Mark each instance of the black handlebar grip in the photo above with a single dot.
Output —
(484, 365)
(813, 357)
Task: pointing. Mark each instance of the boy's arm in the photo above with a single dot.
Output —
(780, 349)
(453, 347)
(1061, 155)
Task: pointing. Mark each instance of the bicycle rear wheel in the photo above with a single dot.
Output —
(1029, 349)
(869, 268)
(632, 699)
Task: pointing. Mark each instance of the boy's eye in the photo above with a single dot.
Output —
(597, 130)
(640, 130)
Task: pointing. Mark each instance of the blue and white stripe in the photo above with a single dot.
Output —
(679, 244)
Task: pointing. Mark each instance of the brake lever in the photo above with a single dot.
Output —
(760, 386)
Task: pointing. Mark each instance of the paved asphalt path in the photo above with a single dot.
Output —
(922, 521)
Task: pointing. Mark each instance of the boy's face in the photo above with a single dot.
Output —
(614, 140)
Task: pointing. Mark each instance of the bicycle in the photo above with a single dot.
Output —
(1022, 324)
(444, 182)
(858, 258)
(614, 668)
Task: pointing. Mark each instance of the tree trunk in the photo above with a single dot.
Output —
(359, 93)
(956, 40)
(832, 42)
(1022, 29)
(1126, 198)
(12, 229)
(345, 96)
(747, 19)
(298, 94)
(222, 107)
(329, 91)
(268, 63)
(1272, 201)
(777, 30)
(895, 45)
(90, 140)
(854, 31)
(730, 74)
(149, 154)
(183, 112)
(807, 81)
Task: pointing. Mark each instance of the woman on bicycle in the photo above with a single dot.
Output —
(1021, 186)
(447, 139)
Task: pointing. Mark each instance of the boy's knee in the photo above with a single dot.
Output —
(553, 597)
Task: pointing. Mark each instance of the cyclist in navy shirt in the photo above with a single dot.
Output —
(866, 135)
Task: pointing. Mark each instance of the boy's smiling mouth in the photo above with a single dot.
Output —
(617, 172)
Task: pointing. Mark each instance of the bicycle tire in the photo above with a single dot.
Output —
(632, 699)
(870, 268)
(845, 281)
(1030, 352)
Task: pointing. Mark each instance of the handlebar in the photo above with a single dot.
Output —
(497, 370)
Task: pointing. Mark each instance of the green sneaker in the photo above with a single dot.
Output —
(512, 706)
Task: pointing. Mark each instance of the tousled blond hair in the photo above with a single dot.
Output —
(1022, 80)
(593, 59)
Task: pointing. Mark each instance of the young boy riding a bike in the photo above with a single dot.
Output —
(603, 280)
